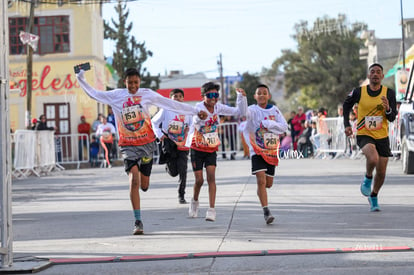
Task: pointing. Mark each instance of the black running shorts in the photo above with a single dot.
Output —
(259, 164)
(382, 145)
(200, 159)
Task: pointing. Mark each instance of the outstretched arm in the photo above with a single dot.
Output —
(100, 96)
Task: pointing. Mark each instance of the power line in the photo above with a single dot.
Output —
(64, 2)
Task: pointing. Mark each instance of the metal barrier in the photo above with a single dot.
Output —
(332, 139)
(72, 149)
(34, 153)
(24, 153)
(230, 139)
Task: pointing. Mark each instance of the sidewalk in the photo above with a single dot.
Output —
(77, 216)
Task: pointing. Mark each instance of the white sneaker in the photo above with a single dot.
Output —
(211, 215)
(193, 209)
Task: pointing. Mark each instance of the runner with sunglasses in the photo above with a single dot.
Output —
(204, 142)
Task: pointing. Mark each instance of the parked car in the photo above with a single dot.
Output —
(406, 126)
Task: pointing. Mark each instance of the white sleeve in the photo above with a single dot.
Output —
(242, 104)
(101, 96)
(156, 122)
(277, 126)
(172, 105)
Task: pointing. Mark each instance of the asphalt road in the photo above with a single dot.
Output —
(80, 222)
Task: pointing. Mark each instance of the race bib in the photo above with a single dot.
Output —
(132, 115)
(211, 139)
(175, 127)
(373, 122)
(271, 141)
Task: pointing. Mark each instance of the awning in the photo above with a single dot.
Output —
(399, 65)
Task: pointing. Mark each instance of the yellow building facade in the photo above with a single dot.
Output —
(70, 34)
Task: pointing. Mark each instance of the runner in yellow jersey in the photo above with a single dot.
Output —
(376, 106)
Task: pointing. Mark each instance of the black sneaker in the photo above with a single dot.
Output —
(269, 218)
(139, 228)
(181, 200)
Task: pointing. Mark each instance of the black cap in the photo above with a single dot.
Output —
(376, 64)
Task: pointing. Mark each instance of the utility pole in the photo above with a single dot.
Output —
(6, 248)
(29, 68)
(220, 67)
(403, 35)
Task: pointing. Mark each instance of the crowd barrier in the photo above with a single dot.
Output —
(72, 149)
(333, 141)
(34, 153)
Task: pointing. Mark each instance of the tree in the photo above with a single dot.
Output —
(325, 66)
(129, 53)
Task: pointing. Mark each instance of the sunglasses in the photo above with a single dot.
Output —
(212, 95)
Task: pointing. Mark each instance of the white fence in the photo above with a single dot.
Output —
(332, 139)
(34, 153)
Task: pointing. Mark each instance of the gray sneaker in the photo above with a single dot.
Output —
(193, 209)
(139, 228)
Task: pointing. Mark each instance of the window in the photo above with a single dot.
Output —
(53, 32)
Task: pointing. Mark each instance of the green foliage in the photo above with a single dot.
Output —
(326, 64)
(249, 84)
(129, 53)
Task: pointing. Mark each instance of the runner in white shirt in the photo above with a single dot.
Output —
(171, 128)
(264, 124)
(136, 136)
(204, 141)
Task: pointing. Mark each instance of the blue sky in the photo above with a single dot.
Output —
(189, 35)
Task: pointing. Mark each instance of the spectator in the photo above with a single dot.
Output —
(111, 119)
(322, 129)
(34, 123)
(314, 138)
(105, 133)
(304, 143)
(42, 124)
(285, 143)
(291, 126)
(111, 116)
(96, 123)
(94, 151)
(83, 128)
(297, 127)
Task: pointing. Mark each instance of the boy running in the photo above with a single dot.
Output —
(204, 141)
(136, 136)
(264, 124)
(171, 128)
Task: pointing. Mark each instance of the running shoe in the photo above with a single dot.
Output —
(366, 186)
(139, 228)
(181, 200)
(193, 209)
(373, 202)
(211, 215)
(268, 216)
